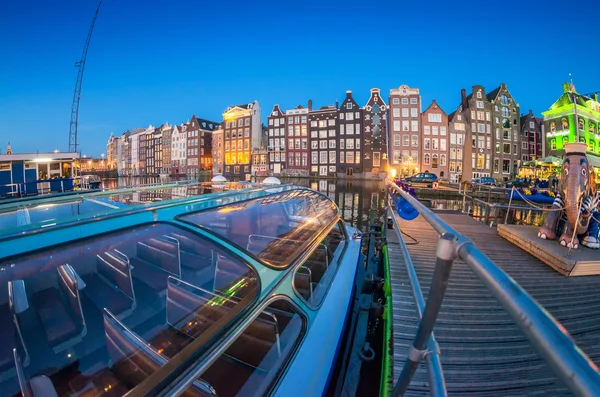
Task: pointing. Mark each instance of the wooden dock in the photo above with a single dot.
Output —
(483, 352)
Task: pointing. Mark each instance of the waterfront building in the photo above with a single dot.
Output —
(199, 145)
(478, 150)
(458, 130)
(178, 151)
(276, 129)
(260, 156)
(112, 152)
(434, 145)
(350, 133)
(571, 115)
(242, 133)
(167, 134)
(155, 152)
(404, 130)
(506, 124)
(323, 128)
(21, 172)
(143, 153)
(374, 151)
(217, 151)
(532, 132)
(297, 148)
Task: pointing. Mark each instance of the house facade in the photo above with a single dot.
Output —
(276, 131)
(478, 150)
(506, 124)
(348, 146)
(571, 118)
(178, 151)
(532, 133)
(458, 130)
(297, 144)
(242, 133)
(404, 130)
(375, 137)
(217, 151)
(323, 129)
(434, 144)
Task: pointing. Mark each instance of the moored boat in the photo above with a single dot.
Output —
(243, 292)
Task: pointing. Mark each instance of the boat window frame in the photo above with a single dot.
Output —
(180, 385)
(336, 258)
(184, 369)
(179, 218)
(222, 333)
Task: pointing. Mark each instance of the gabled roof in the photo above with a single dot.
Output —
(493, 94)
(566, 99)
(433, 102)
(451, 116)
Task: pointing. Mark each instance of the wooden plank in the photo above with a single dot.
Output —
(483, 350)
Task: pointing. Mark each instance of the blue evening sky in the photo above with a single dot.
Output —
(154, 61)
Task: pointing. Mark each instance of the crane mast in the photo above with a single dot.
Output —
(73, 146)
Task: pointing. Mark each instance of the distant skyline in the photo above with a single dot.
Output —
(151, 61)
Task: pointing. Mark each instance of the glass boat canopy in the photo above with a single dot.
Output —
(126, 301)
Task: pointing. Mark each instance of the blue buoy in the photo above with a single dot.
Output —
(405, 209)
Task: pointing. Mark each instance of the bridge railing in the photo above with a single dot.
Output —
(547, 336)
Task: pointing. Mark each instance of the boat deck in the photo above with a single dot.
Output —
(483, 352)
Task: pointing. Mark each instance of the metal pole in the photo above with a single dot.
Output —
(512, 191)
(446, 253)
(464, 200)
(437, 383)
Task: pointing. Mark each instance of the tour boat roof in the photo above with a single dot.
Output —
(146, 283)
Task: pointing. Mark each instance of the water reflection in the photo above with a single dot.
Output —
(490, 215)
(358, 201)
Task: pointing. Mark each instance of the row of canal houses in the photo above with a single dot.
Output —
(485, 135)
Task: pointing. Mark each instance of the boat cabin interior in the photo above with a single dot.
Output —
(97, 316)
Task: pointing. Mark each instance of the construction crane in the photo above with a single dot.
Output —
(77, 94)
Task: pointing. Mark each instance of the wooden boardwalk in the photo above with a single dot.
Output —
(483, 352)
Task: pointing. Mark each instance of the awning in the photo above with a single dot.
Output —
(594, 160)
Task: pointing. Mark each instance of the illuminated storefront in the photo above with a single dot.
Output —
(573, 115)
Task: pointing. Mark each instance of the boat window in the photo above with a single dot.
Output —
(251, 364)
(105, 313)
(277, 228)
(313, 277)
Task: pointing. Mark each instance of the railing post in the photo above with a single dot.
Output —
(512, 191)
(446, 253)
(464, 201)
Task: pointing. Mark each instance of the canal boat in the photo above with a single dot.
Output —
(246, 292)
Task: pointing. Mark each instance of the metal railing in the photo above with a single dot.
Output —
(437, 383)
(547, 336)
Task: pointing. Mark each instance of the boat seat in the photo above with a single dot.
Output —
(227, 271)
(152, 266)
(101, 382)
(63, 324)
(161, 254)
(256, 341)
(303, 282)
(133, 360)
(38, 386)
(189, 312)
(111, 287)
(8, 338)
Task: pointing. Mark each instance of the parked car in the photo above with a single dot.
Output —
(486, 180)
(519, 182)
(423, 178)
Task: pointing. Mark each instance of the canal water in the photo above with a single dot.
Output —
(360, 201)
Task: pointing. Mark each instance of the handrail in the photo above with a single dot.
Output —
(437, 383)
(548, 337)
